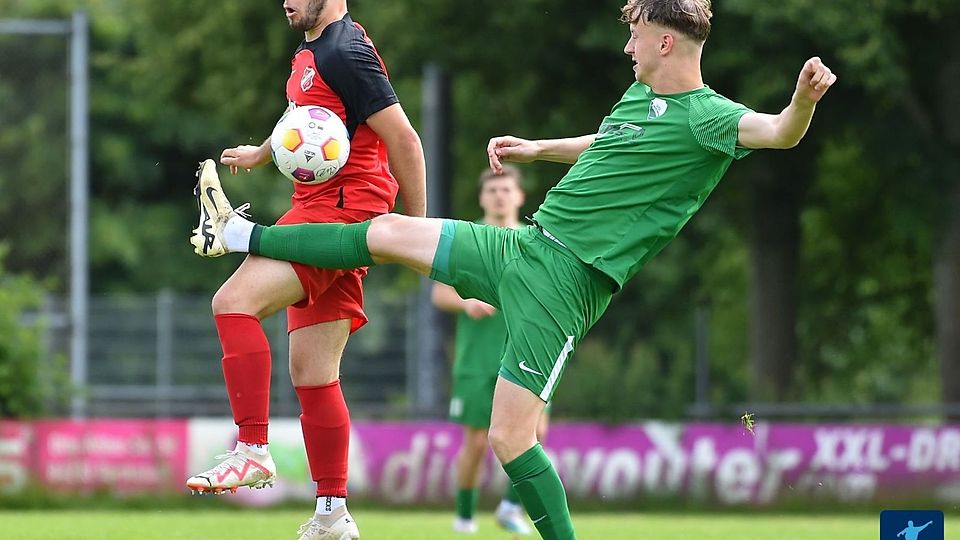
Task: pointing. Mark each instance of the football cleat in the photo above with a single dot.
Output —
(237, 469)
(215, 212)
(337, 526)
(465, 526)
(510, 517)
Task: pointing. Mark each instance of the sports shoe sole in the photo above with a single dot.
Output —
(196, 489)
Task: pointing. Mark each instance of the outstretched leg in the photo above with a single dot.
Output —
(386, 239)
(390, 238)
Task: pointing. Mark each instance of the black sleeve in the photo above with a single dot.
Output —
(361, 83)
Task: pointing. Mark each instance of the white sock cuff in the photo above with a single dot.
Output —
(236, 234)
(258, 449)
(326, 505)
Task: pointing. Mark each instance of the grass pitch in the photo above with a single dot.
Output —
(255, 524)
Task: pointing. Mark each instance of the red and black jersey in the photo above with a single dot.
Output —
(342, 71)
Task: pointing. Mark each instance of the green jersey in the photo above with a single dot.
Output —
(479, 345)
(655, 160)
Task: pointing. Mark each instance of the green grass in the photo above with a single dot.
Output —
(421, 525)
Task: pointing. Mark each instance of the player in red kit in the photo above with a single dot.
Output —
(337, 67)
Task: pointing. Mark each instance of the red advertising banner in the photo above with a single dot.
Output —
(122, 456)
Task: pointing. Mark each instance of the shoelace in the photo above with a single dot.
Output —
(240, 210)
(311, 527)
(230, 459)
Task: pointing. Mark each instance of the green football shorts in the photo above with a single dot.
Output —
(548, 297)
(471, 400)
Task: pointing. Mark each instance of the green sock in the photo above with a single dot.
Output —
(466, 503)
(542, 494)
(511, 495)
(325, 245)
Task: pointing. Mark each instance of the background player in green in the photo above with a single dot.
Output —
(480, 339)
(633, 185)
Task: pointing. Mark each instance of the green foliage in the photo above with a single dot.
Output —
(868, 325)
(20, 387)
(175, 82)
(539, 69)
(32, 151)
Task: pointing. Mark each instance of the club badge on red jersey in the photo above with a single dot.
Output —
(306, 81)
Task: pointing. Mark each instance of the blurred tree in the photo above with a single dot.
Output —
(772, 41)
(21, 394)
(204, 79)
(831, 243)
(33, 154)
(928, 103)
(863, 326)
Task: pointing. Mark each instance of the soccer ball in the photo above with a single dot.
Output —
(309, 144)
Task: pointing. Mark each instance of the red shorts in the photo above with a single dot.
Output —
(331, 295)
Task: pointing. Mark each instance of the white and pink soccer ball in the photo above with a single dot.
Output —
(310, 144)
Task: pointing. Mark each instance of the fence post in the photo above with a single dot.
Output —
(427, 371)
(165, 301)
(284, 400)
(701, 331)
(79, 207)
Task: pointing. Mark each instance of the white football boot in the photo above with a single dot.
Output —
(339, 525)
(465, 526)
(512, 518)
(239, 468)
(215, 212)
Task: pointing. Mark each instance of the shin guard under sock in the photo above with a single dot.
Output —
(326, 434)
(246, 371)
(542, 494)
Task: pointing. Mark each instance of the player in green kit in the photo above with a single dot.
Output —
(633, 185)
(480, 339)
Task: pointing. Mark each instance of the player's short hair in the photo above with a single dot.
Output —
(689, 17)
(509, 171)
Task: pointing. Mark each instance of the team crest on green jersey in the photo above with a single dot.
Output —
(657, 108)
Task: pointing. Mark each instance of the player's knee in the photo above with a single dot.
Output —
(509, 438)
(541, 431)
(501, 440)
(384, 223)
(313, 369)
(386, 231)
(304, 375)
(477, 440)
(229, 300)
(299, 374)
(223, 301)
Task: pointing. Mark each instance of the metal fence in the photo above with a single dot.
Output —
(158, 355)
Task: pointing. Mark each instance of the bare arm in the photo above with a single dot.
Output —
(406, 156)
(446, 298)
(518, 150)
(246, 156)
(784, 130)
